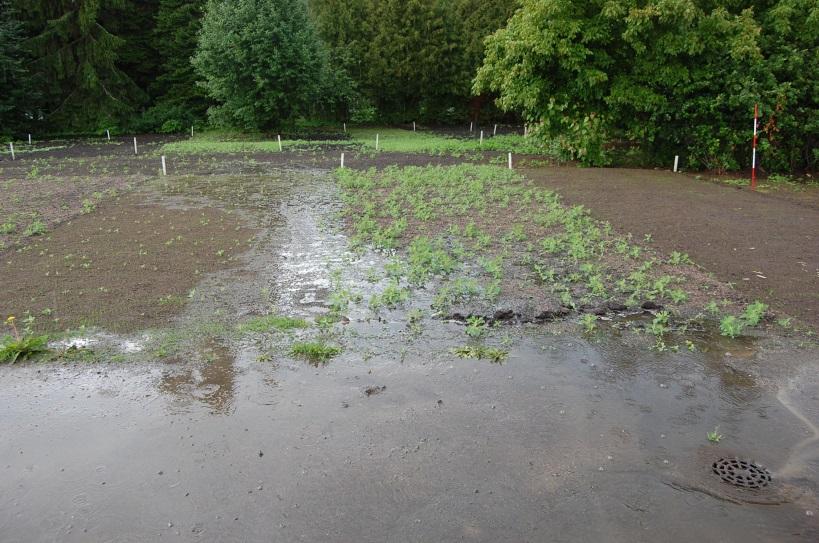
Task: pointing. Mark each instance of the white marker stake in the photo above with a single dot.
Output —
(280, 142)
(481, 137)
(29, 139)
(495, 132)
(191, 130)
(345, 128)
(525, 130)
(676, 162)
(136, 151)
(470, 126)
(342, 161)
(164, 170)
(510, 161)
(413, 126)
(108, 133)
(11, 146)
(376, 142)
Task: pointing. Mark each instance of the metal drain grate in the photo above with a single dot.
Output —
(742, 473)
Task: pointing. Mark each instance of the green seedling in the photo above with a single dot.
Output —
(659, 326)
(36, 228)
(754, 312)
(714, 436)
(475, 327)
(731, 326)
(589, 322)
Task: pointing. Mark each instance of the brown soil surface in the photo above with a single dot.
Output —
(767, 246)
(127, 266)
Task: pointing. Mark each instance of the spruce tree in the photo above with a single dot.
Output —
(17, 103)
(75, 56)
(179, 100)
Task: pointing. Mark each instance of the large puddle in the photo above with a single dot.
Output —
(397, 439)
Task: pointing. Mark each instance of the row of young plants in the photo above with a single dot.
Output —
(479, 235)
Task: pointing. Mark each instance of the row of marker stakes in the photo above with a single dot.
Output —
(279, 139)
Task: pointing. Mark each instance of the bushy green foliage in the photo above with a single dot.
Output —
(410, 59)
(261, 61)
(667, 76)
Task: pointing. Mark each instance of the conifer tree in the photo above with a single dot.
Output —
(75, 57)
(179, 100)
(17, 103)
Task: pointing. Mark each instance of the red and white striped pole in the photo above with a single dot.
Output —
(753, 156)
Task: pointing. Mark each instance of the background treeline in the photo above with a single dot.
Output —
(664, 77)
(86, 65)
(608, 80)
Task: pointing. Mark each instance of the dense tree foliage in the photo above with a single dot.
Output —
(411, 59)
(179, 101)
(16, 100)
(75, 61)
(261, 61)
(665, 76)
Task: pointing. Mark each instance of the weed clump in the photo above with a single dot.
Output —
(481, 352)
(21, 346)
(733, 326)
(314, 351)
(268, 323)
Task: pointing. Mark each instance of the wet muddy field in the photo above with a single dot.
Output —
(175, 405)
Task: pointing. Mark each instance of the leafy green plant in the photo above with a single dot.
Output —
(21, 346)
(754, 312)
(36, 228)
(731, 326)
(659, 326)
(677, 258)
(475, 326)
(589, 322)
(414, 318)
(88, 206)
(712, 307)
(392, 296)
(678, 296)
(714, 436)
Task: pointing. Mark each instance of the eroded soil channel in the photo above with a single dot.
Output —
(183, 408)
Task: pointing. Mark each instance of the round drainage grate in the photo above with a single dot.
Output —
(742, 473)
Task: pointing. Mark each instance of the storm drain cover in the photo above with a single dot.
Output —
(742, 473)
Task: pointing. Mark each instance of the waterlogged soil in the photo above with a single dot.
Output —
(128, 266)
(767, 247)
(200, 432)
(53, 182)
